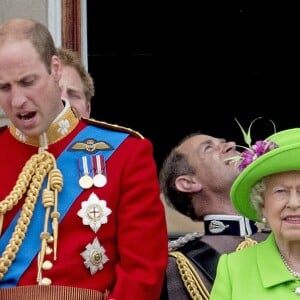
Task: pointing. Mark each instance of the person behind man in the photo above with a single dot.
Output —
(76, 83)
(195, 179)
(81, 215)
(267, 190)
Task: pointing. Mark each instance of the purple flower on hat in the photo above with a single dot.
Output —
(255, 151)
(251, 153)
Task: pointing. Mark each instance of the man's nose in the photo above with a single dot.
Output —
(17, 97)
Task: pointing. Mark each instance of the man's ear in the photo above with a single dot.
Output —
(187, 184)
(89, 109)
(56, 67)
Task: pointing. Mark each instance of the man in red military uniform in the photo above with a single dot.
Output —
(80, 212)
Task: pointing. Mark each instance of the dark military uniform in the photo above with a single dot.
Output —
(192, 266)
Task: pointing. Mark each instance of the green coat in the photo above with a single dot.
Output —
(254, 273)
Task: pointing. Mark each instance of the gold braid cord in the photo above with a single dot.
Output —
(190, 277)
(245, 244)
(31, 179)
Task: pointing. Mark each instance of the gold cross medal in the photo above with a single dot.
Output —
(85, 171)
(94, 212)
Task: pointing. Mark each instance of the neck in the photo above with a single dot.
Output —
(63, 124)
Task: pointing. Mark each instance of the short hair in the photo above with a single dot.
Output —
(37, 33)
(175, 165)
(72, 59)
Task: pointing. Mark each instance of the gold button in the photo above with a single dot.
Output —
(47, 265)
(46, 281)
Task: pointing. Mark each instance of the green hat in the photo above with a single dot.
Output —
(286, 157)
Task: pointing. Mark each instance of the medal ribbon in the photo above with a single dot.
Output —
(99, 165)
(66, 161)
(85, 172)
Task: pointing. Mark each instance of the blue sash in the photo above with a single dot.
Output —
(67, 163)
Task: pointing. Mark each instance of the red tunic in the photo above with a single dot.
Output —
(134, 237)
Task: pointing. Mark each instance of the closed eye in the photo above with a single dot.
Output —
(27, 82)
(4, 87)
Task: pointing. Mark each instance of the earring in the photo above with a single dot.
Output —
(264, 220)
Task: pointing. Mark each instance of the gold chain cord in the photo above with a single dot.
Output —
(190, 277)
(31, 179)
(248, 242)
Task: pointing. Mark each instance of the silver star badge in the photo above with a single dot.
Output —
(94, 212)
(94, 256)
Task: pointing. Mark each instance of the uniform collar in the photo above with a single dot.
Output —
(229, 225)
(64, 123)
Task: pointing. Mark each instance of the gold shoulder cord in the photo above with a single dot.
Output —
(190, 277)
(246, 243)
(30, 180)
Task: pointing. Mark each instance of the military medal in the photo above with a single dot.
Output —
(99, 180)
(85, 180)
(99, 170)
(94, 212)
(94, 256)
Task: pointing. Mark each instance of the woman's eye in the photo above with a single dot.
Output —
(280, 191)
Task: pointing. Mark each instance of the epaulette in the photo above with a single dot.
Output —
(113, 127)
(183, 240)
(190, 277)
(204, 257)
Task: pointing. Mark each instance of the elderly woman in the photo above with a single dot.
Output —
(267, 190)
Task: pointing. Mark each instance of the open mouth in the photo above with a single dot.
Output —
(26, 116)
(231, 160)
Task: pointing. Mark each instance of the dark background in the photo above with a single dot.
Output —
(168, 69)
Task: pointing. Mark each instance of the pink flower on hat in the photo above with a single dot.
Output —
(255, 151)
(251, 153)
